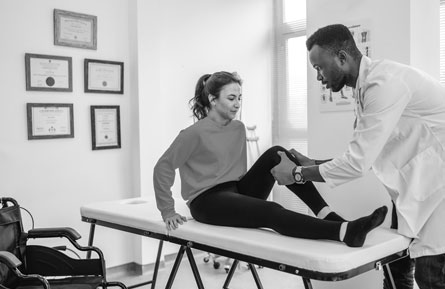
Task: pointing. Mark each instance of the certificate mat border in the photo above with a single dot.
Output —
(87, 62)
(30, 106)
(78, 44)
(93, 109)
(28, 57)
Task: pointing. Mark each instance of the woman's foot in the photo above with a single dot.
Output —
(357, 230)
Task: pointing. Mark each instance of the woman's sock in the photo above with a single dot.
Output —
(357, 230)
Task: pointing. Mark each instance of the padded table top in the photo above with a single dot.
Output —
(315, 255)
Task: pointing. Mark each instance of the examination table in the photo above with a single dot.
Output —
(311, 259)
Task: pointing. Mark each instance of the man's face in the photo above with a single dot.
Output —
(328, 67)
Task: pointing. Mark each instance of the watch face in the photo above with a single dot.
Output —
(298, 177)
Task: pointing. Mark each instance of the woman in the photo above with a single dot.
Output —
(211, 158)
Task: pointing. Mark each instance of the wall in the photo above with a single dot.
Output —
(399, 31)
(425, 36)
(166, 46)
(178, 42)
(53, 178)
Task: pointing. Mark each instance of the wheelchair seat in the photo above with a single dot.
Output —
(24, 266)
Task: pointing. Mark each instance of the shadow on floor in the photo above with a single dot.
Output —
(211, 278)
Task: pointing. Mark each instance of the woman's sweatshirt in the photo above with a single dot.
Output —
(206, 154)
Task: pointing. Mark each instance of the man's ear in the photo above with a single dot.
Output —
(342, 56)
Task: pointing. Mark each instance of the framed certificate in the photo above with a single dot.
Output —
(50, 120)
(75, 29)
(103, 76)
(105, 127)
(48, 72)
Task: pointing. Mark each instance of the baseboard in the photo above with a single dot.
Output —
(135, 269)
(131, 269)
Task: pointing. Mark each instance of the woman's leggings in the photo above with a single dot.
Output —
(243, 203)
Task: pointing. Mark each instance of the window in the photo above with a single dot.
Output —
(442, 42)
(290, 98)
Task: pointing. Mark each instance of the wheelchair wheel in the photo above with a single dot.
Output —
(206, 259)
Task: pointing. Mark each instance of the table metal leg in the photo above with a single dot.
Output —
(194, 268)
(307, 283)
(91, 238)
(388, 276)
(255, 276)
(158, 260)
(230, 275)
(175, 267)
(155, 271)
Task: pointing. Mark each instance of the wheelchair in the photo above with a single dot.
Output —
(24, 266)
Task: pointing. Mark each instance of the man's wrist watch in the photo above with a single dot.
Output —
(298, 175)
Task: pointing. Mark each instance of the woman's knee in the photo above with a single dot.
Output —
(273, 152)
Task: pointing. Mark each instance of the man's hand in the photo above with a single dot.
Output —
(283, 171)
(174, 221)
(302, 159)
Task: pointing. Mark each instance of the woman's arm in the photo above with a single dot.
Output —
(165, 170)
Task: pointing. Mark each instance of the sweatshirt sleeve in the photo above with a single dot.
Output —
(164, 171)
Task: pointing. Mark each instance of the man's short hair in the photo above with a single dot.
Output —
(334, 38)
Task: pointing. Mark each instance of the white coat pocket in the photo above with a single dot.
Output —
(424, 175)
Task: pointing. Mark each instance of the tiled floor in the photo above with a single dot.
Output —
(242, 279)
(214, 279)
(270, 279)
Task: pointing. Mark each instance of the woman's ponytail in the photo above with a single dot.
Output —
(200, 102)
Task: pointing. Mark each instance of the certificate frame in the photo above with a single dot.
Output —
(103, 76)
(48, 72)
(75, 29)
(50, 120)
(105, 127)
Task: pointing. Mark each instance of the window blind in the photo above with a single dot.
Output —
(290, 98)
(442, 42)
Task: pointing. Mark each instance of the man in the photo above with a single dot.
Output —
(399, 133)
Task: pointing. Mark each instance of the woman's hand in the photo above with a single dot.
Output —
(174, 221)
(302, 159)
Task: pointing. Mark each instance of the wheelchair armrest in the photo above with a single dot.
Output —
(12, 262)
(67, 232)
(9, 259)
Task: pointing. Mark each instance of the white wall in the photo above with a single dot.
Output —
(53, 178)
(425, 36)
(178, 42)
(166, 46)
(187, 39)
(399, 31)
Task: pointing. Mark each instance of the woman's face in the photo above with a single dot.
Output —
(227, 105)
